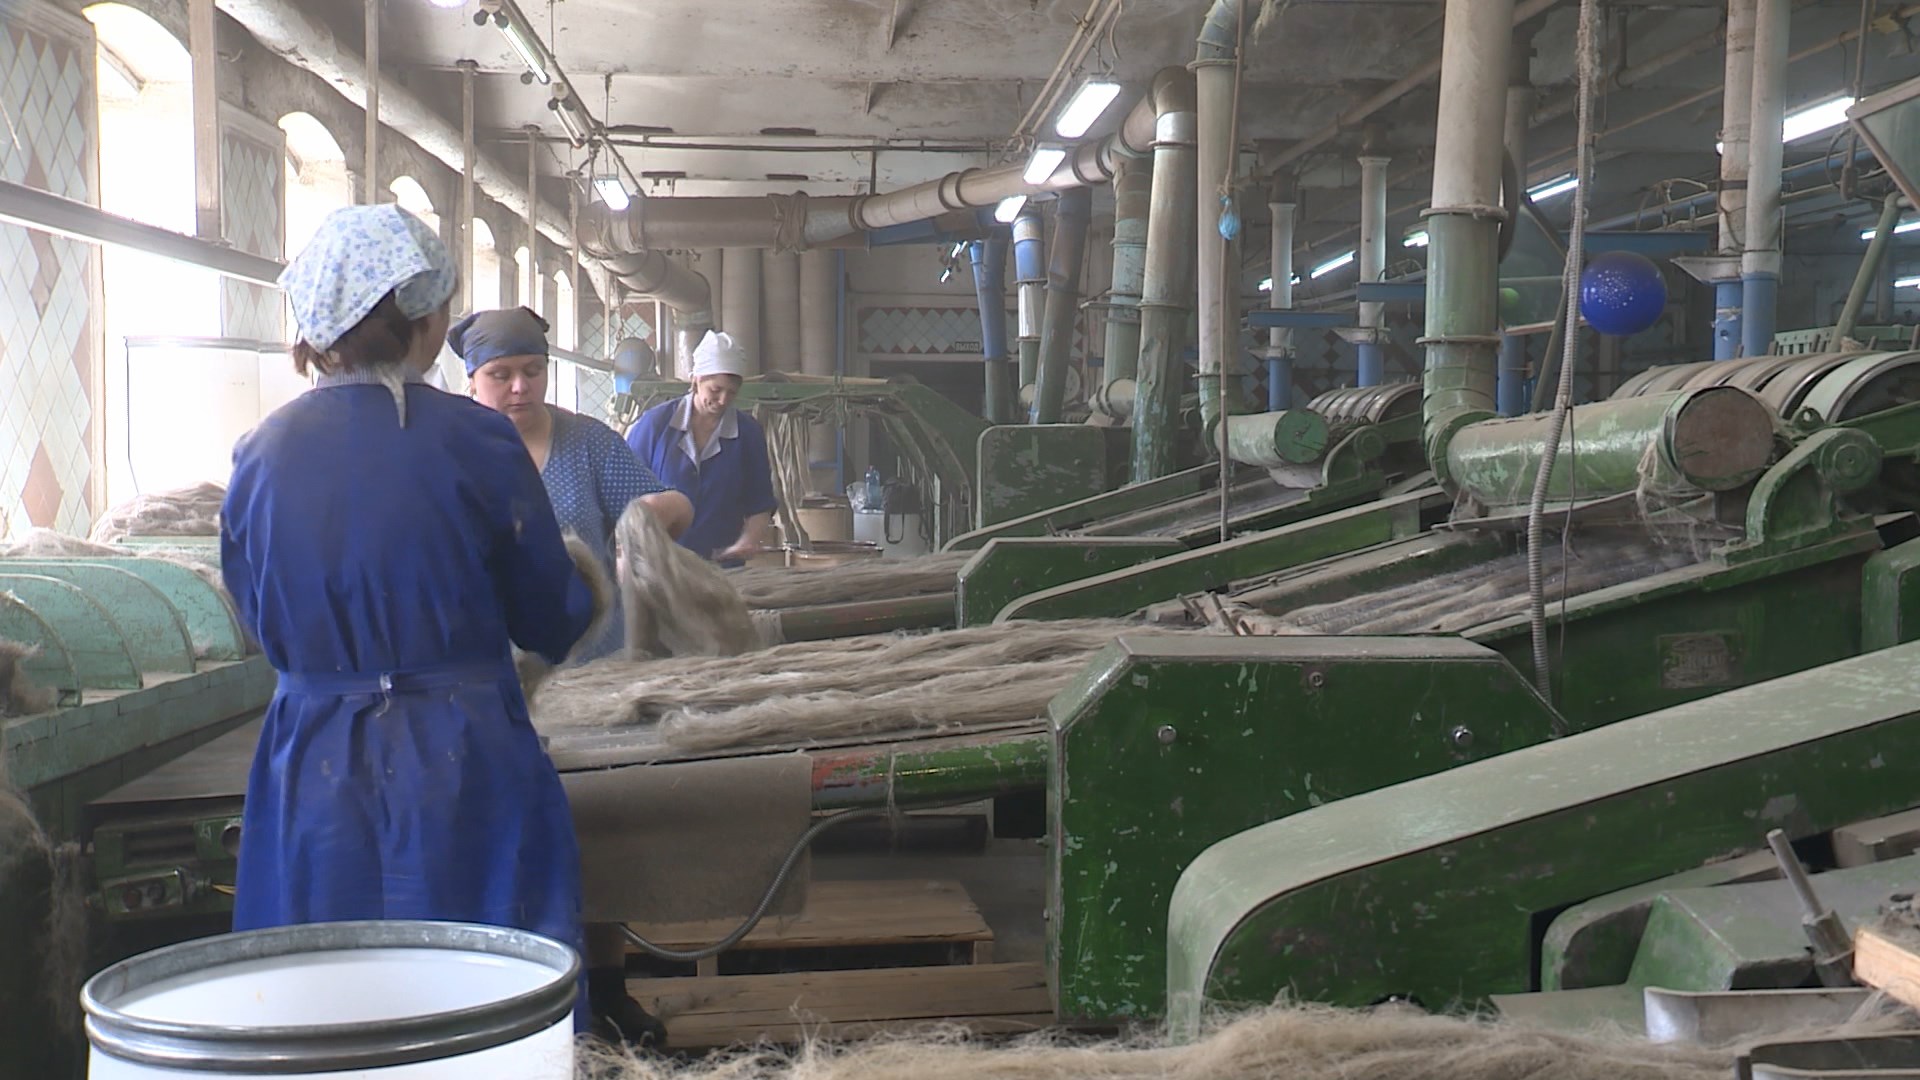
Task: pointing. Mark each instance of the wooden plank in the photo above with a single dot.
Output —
(849, 913)
(1887, 957)
(702, 1012)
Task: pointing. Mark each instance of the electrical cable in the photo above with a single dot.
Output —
(1570, 351)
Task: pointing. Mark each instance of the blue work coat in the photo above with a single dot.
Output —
(384, 571)
(729, 479)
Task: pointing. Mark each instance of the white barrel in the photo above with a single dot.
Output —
(397, 1000)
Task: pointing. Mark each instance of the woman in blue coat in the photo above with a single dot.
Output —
(589, 473)
(702, 445)
(388, 544)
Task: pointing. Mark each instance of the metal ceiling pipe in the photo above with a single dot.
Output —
(990, 287)
(1462, 328)
(1030, 278)
(1219, 293)
(1760, 256)
(1072, 213)
(740, 288)
(780, 335)
(1164, 289)
(711, 261)
(819, 323)
(296, 37)
(1373, 261)
(1510, 382)
(1132, 187)
(1280, 298)
(653, 275)
(1736, 128)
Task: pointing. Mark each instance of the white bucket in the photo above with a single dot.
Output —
(393, 1000)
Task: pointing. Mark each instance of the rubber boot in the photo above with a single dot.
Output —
(618, 1018)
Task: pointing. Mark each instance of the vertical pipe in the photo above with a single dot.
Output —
(1736, 127)
(740, 286)
(780, 334)
(840, 362)
(818, 323)
(1869, 272)
(1280, 341)
(532, 222)
(204, 47)
(990, 287)
(371, 192)
(1219, 299)
(711, 262)
(1760, 261)
(1463, 249)
(1164, 289)
(1373, 261)
(1072, 212)
(1510, 384)
(467, 70)
(1132, 187)
(1030, 278)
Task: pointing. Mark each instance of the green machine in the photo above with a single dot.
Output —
(145, 661)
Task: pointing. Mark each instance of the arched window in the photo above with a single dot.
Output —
(145, 81)
(413, 199)
(486, 268)
(563, 388)
(317, 180)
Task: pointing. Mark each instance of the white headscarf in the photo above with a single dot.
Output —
(717, 354)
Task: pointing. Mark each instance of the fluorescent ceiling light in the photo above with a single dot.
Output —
(946, 275)
(1331, 265)
(1815, 119)
(529, 53)
(1042, 164)
(1087, 104)
(612, 191)
(957, 249)
(1009, 208)
(1548, 190)
(446, 3)
(1416, 239)
(1266, 285)
(1903, 227)
(1907, 283)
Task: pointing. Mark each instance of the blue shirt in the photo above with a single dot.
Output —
(729, 479)
(591, 476)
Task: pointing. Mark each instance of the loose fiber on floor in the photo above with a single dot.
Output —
(867, 579)
(849, 687)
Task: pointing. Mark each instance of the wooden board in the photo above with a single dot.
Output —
(841, 914)
(1887, 957)
(704, 1011)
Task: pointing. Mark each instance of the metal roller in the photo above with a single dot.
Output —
(1676, 377)
(1338, 405)
(1868, 383)
(1755, 374)
(1724, 372)
(1392, 401)
(1786, 390)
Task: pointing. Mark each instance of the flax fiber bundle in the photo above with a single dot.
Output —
(187, 511)
(821, 690)
(19, 695)
(1281, 1043)
(869, 579)
(675, 602)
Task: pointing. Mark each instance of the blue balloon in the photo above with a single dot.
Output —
(1622, 293)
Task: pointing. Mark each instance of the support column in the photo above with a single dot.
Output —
(467, 70)
(371, 177)
(711, 264)
(1280, 298)
(1760, 261)
(1373, 262)
(1736, 126)
(1219, 279)
(819, 316)
(204, 47)
(780, 334)
(740, 287)
(1164, 291)
(530, 222)
(1132, 187)
(990, 292)
(1510, 384)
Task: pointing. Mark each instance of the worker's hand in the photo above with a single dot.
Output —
(741, 550)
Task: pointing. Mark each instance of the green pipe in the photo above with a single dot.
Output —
(1712, 439)
(1275, 439)
(823, 621)
(906, 774)
(1462, 313)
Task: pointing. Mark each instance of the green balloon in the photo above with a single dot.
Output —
(1510, 305)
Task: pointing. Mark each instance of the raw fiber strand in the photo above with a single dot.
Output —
(187, 511)
(533, 668)
(1285, 1042)
(27, 854)
(675, 602)
(48, 544)
(869, 579)
(847, 688)
(19, 695)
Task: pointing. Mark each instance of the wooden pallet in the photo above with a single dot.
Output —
(711, 1009)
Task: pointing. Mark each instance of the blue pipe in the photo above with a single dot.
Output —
(1373, 364)
(1726, 319)
(1279, 383)
(1758, 294)
(1029, 260)
(990, 289)
(1510, 392)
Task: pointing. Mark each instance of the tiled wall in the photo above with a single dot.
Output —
(49, 287)
(252, 172)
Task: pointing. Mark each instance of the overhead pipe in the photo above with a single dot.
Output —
(1280, 298)
(780, 332)
(740, 289)
(1736, 127)
(1072, 213)
(1373, 261)
(1030, 278)
(1510, 381)
(285, 29)
(1215, 58)
(654, 275)
(1463, 226)
(1165, 285)
(1760, 256)
(990, 287)
(1132, 189)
